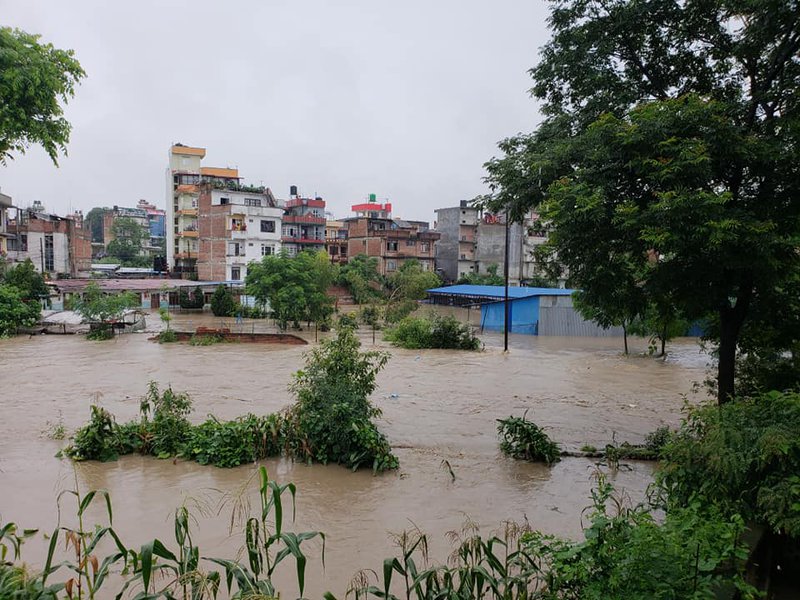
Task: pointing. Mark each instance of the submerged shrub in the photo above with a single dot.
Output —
(168, 336)
(232, 443)
(524, 439)
(206, 340)
(332, 418)
(100, 333)
(97, 440)
(433, 331)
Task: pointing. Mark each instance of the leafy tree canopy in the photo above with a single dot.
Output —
(99, 307)
(29, 282)
(129, 237)
(15, 312)
(360, 276)
(294, 287)
(667, 159)
(35, 79)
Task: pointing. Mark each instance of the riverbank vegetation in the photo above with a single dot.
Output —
(331, 420)
(22, 290)
(101, 310)
(433, 331)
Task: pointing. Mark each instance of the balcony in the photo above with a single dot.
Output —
(309, 219)
(187, 212)
(301, 240)
(188, 233)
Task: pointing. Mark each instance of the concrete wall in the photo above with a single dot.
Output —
(447, 224)
(490, 248)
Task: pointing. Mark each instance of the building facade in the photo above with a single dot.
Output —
(336, 241)
(303, 225)
(185, 179)
(374, 232)
(233, 229)
(57, 246)
(472, 241)
(5, 206)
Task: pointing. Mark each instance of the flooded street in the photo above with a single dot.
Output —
(438, 406)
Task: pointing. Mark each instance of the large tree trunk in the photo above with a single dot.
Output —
(730, 324)
(625, 336)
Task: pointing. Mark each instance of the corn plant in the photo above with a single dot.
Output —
(88, 572)
(267, 544)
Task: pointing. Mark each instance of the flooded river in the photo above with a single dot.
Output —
(437, 406)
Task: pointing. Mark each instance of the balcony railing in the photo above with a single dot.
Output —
(301, 240)
(313, 203)
(304, 219)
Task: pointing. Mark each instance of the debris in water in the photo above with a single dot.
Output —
(394, 395)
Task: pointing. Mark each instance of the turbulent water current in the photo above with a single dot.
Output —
(437, 406)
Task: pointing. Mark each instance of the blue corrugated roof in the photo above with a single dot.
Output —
(498, 291)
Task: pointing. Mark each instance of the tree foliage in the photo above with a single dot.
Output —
(360, 276)
(491, 277)
(28, 281)
(294, 287)
(94, 222)
(96, 306)
(222, 302)
(668, 155)
(35, 79)
(129, 237)
(15, 310)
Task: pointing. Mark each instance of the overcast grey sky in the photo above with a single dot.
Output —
(405, 99)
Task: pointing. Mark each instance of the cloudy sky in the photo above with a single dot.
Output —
(406, 99)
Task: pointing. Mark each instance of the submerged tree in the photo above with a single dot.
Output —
(35, 79)
(670, 139)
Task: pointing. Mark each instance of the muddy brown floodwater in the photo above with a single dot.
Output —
(437, 405)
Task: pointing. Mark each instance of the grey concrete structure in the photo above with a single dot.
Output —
(557, 316)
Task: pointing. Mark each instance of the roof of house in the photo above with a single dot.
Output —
(498, 291)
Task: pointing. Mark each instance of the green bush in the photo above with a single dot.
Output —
(332, 418)
(222, 303)
(743, 456)
(347, 321)
(433, 331)
(398, 310)
(168, 336)
(370, 315)
(97, 440)
(206, 340)
(195, 300)
(695, 553)
(524, 439)
(232, 443)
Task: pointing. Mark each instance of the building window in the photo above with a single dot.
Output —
(267, 250)
(238, 225)
(425, 246)
(22, 246)
(49, 259)
(267, 226)
(252, 201)
(391, 246)
(235, 249)
(236, 273)
(224, 200)
(411, 242)
(425, 266)
(391, 265)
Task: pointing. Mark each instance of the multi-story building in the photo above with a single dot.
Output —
(156, 224)
(57, 246)
(374, 232)
(5, 206)
(234, 228)
(472, 241)
(303, 223)
(185, 177)
(336, 241)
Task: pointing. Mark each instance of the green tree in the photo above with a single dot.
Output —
(671, 137)
(15, 311)
(94, 221)
(294, 287)
(222, 303)
(126, 246)
(360, 276)
(406, 287)
(491, 277)
(35, 79)
(28, 282)
(97, 307)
